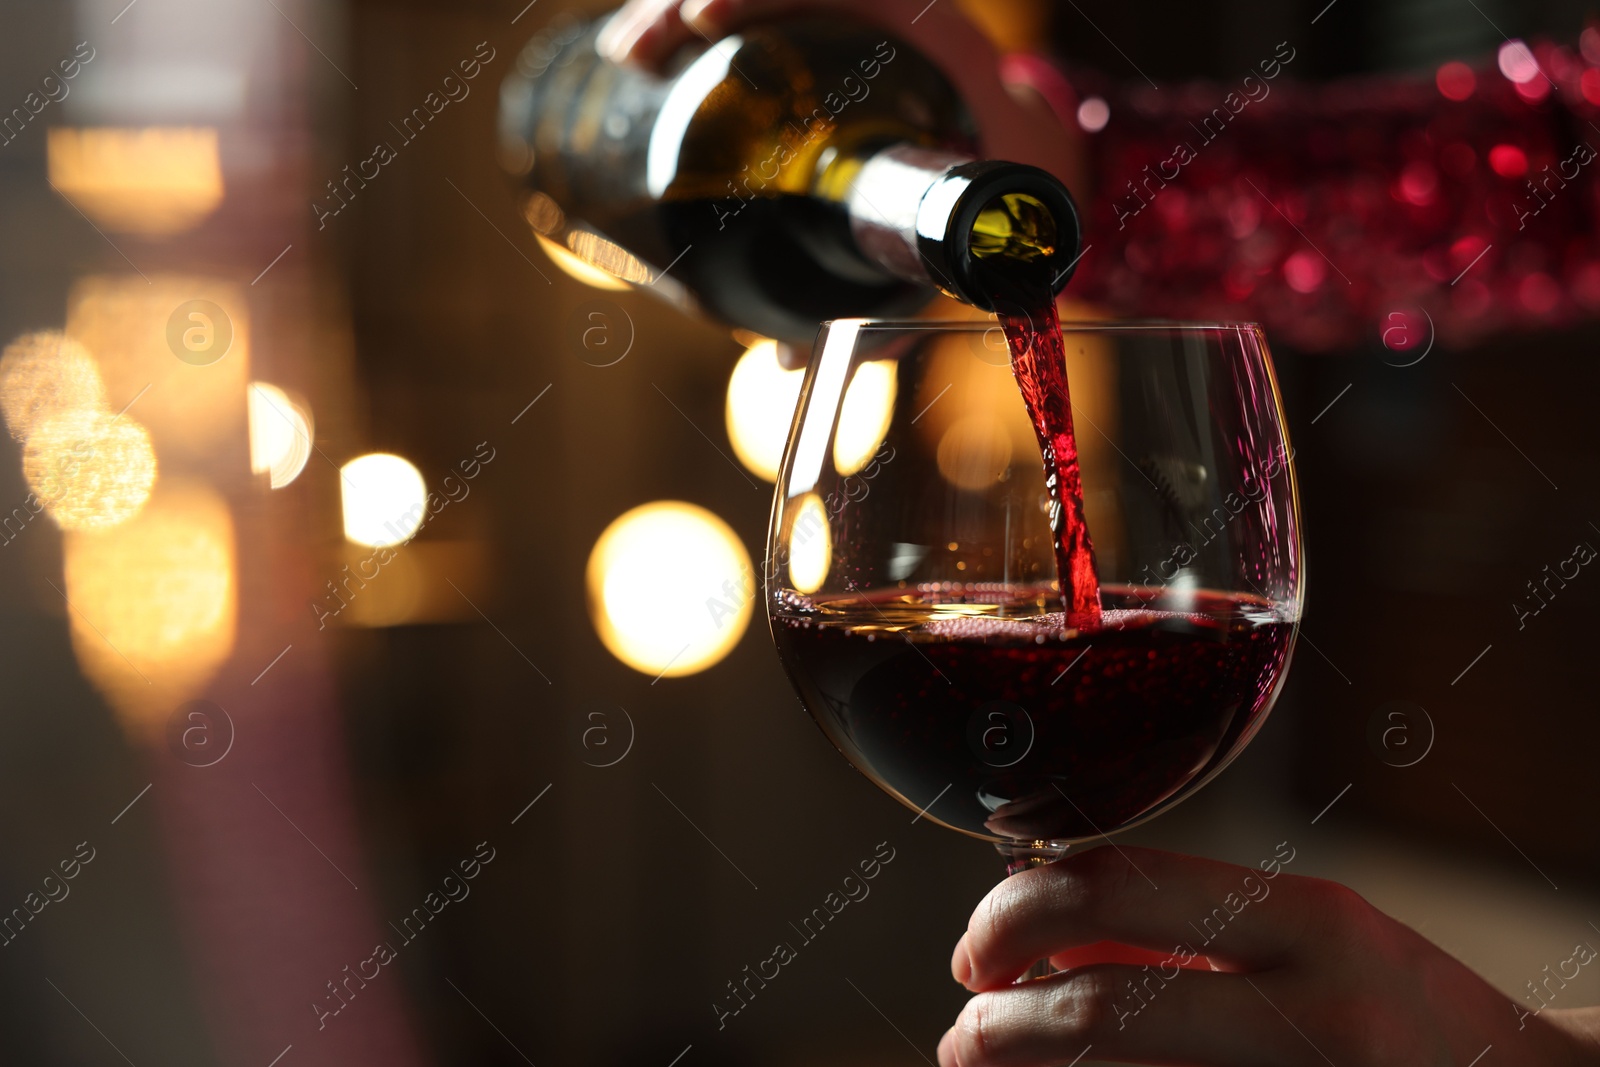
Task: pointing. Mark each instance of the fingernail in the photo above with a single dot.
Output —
(693, 13)
(621, 33)
(961, 962)
(947, 1052)
(608, 41)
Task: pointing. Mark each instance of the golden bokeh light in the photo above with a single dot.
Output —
(968, 399)
(975, 451)
(280, 434)
(385, 499)
(543, 213)
(608, 256)
(153, 601)
(810, 545)
(761, 401)
(864, 415)
(577, 269)
(143, 334)
(670, 588)
(90, 469)
(44, 374)
(152, 181)
(965, 377)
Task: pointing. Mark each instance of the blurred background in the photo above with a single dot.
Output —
(237, 384)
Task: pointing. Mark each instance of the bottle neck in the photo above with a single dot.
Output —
(980, 231)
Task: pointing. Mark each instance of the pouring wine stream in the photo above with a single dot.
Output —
(1021, 239)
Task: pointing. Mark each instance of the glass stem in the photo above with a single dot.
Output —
(1025, 855)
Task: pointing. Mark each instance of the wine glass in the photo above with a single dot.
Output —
(911, 586)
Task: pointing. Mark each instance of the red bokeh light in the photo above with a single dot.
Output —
(1467, 250)
(1404, 329)
(1508, 161)
(1533, 91)
(1539, 293)
(1418, 183)
(1456, 81)
(1589, 45)
(1304, 271)
(1589, 83)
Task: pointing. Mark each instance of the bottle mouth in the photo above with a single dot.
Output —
(1014, 227)
(1013, 238)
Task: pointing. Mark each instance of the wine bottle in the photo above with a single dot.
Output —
(791, 173)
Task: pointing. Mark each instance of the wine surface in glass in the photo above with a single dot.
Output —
(1023, 727)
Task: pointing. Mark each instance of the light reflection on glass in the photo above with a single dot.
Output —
(670, 588)
(152, 181)
(609, 257)
(543, 213)
(810, 545)
(761, 401)
(577, 269)
(864, 415)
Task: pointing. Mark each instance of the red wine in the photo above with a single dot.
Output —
(1039, 362)
(1011, 727)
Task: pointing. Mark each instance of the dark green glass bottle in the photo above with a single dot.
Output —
(795, 172)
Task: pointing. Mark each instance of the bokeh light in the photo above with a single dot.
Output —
(1304, 271)
(577, 269)
(385, 499)
(1508, 161)
(864, 415)
(194, 410)
(153, 602)
(967, 399)
(280, 434)
(608, 256)
(1093, 114)
(155, 181)
(810, 545)
(975, 451)
(1455, 80)
(543, 213)
(44, 374)
(1418, 184)
(1589, 85)
(1517, 62)
(761, 401)
(90, 469)
(670, 588)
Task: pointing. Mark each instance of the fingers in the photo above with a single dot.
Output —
(643, 32)
(1139, 897)
(792, 357)
(647, 32)
(1126, 1014)
(713, 18)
